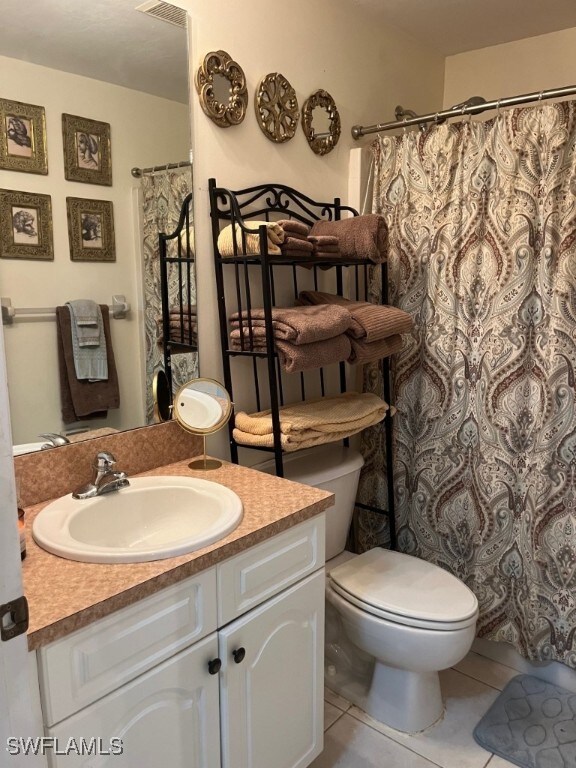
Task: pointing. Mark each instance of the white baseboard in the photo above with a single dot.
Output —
(551, 671)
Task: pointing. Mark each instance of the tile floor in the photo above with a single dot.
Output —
(353, 740)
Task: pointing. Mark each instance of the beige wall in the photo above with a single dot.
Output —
(145, 131)
(523, 66)
(330, 44)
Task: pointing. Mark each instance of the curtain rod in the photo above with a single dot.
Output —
(138, 172)
(458, 111)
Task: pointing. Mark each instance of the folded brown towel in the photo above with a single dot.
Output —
(293, 227)
(302, 357)
(297, 244)
(327, 249)
(360, 237)
(298, 325)
(84, 399)
(369, 351)
(370, 321)
(324, 240)
(292, 253)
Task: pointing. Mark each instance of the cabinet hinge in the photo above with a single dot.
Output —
(13, 618)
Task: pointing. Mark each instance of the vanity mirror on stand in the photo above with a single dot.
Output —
(201, 407)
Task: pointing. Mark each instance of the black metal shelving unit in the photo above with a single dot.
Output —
(177, 264)
(247, 281)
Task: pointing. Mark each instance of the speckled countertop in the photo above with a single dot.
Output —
(64, 595)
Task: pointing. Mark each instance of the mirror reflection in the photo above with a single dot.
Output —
(105, 62)
(202, 406)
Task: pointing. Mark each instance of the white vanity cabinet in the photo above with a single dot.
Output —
(222, 670)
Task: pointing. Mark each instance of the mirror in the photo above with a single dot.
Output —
(321, 122)
(111, 63)
(221, 86)
(161, 396)
(202, 407)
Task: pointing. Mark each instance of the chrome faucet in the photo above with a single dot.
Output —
(53, 440)
(105, 480)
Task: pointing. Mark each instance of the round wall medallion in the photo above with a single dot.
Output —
(221, 86)
(321, 122)
(276, 108)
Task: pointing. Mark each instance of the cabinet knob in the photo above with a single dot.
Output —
(214, 666)
(238, 655)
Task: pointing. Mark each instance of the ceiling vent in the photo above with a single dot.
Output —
(164, 11)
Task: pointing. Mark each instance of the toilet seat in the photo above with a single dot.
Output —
(405, 590)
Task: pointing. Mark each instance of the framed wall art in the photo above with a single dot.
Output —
(23, 137)
(25, 226)
(90, 229)
(87, 151)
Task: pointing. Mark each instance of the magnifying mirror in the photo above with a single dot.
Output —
(161, 396)
(202, 407)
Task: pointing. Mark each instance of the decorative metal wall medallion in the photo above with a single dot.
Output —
(276, 108)
(217, 68)
(321, 141)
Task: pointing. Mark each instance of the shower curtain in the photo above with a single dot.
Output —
(163, 193)
(482, 237)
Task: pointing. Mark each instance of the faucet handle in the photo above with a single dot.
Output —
(104, 461)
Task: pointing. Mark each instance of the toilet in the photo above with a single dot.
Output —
(393, 621)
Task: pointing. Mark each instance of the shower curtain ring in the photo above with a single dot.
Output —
(540, 95)
(436, 118)
(498, 106)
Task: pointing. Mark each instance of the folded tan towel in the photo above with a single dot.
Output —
(293, 227)
(360, 237)
(249, 244)
(312, 422)
(299, 325)
(369, 351)
(371, 322)
(302, 357)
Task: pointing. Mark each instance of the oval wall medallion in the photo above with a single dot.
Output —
(321, 122)
(221, 86)
(276, 108)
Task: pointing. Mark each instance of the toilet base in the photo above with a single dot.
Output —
(406, 701)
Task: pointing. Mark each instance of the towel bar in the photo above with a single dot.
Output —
(118, 309)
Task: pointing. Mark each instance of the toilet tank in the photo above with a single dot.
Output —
(333, 468)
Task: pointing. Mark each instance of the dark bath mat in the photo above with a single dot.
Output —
(532, 724)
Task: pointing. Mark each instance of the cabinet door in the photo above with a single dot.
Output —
(271, 696)
(166, 717)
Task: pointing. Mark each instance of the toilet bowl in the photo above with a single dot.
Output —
(393, 621)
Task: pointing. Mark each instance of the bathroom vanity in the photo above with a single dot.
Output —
(209, 659)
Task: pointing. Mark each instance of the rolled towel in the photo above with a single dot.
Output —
(293, 227)
(298, 325)
(312, 422)
(249, 243)
(370, 321)
(360, 237)
(363, 351)
(295, 358)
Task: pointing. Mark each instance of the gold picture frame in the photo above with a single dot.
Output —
(87, 150)
(25, 226)
(23, 137)
(91, 229)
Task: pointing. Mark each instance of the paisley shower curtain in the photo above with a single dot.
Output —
(163, 193)
(482, 235)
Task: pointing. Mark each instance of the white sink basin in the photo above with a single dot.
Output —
(154, 518)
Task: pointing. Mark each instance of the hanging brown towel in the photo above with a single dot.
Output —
(84, 399)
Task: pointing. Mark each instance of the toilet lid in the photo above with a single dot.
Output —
(404, 586)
